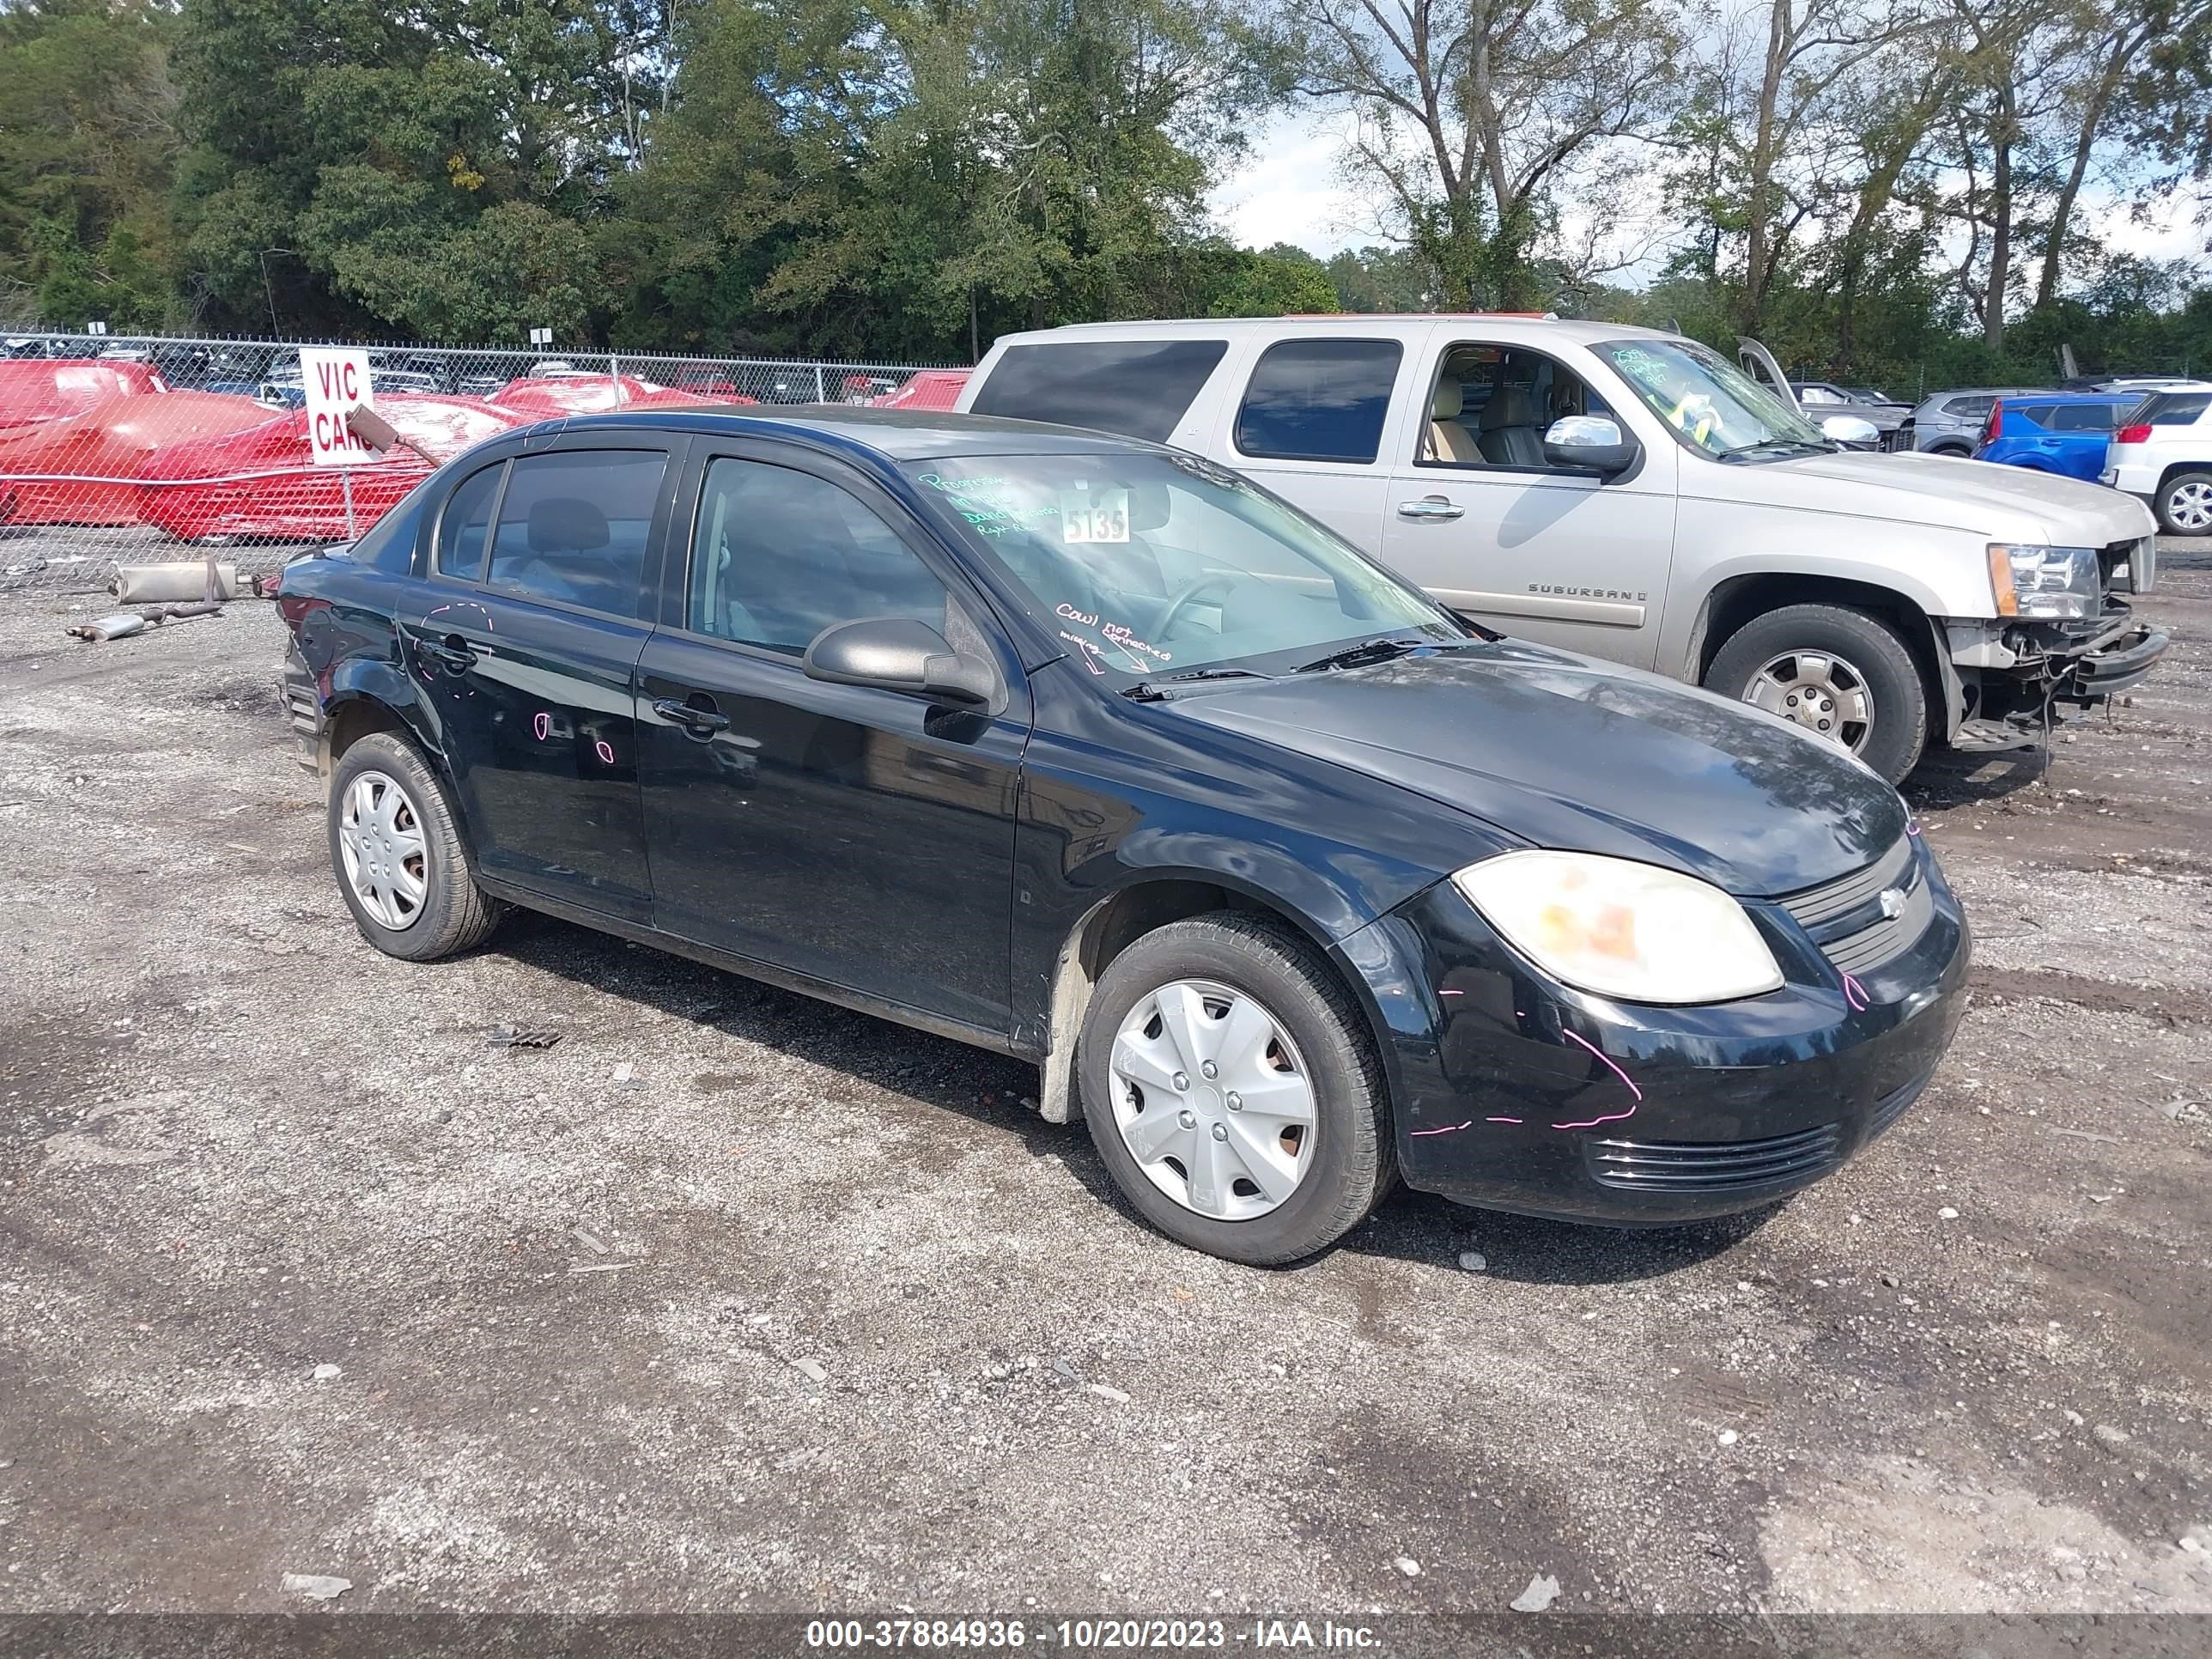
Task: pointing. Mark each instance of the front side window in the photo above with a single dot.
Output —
(1491, 404)
(1139, 388)
(778, 555)
(1817, 394)
(1710, 404)
(1148, 565)
(1319, 400)
(573, 524)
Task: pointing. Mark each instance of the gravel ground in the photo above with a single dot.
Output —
(298, 1275)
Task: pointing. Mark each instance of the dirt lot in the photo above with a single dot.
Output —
(298, 1275)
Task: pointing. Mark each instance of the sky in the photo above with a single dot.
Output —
(1291, 191)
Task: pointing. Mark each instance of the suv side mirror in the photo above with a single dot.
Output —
(896, 654)
(1852, 431)
(1589, 443)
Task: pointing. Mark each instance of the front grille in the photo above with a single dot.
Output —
(1891, 1107)
(1845, 918)
(1686, 1166)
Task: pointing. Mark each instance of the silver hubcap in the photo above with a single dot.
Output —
(1212, 1100)
(380, 843)
(2189, 506)
(1818, 691)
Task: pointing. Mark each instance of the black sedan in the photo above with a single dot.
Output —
(1088, 751)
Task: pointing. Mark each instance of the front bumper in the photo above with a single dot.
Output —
(1514, 1093)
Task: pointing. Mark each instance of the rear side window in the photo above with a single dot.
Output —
(1139, 388)
(2039, 413)
(467, 517)
(573, 527)
(2083, 417)
(2173, 408)
(1970, 408)
(1319, 400)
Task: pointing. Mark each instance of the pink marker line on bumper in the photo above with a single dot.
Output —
(1630, 1082)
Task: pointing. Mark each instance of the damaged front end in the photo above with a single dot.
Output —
(2064, 636)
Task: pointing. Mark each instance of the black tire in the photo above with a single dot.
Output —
(2194, 479)
(1959, 452)
(1898, 731)
(1354, 1160)
(453, 915)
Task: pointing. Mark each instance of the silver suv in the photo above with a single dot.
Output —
(1952, 422)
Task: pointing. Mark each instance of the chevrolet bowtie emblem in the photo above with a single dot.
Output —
(1892, 903)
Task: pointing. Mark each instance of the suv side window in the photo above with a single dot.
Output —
(2082, 417)
(1970, 408)
(1491, 406)
(780, 555)
(1139, 388)
(467, 517)
(2040, 414)
(1319, 400)
(2173, 408)
(573, 527)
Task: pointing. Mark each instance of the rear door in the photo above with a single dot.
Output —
(860, 837)
(529, 630)
(2080, 435)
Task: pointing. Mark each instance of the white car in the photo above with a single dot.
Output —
(1630, 494)
(2162, 454)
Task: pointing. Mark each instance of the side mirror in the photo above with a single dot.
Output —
(1590, 443)
(1852, 431)
(896, 654)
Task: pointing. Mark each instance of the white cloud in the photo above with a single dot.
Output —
(1291, 191)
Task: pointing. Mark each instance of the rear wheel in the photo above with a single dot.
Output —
(1231, 1088)
(2184, 504)
(399, 856)
(1843, 675)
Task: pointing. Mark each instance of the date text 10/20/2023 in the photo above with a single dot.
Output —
(1092, 1635)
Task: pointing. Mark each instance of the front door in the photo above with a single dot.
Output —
(858, 836)
(1478, 517)
(529, 630)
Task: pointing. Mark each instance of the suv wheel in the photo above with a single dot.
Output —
(1842, 674)
(1233, 1092)
(2184, 504)
(399, 856)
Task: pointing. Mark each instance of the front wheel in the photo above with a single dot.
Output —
(1232, 1091)
(2184, 504)
(1843, 675)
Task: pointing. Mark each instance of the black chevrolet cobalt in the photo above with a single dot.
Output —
(1291, 882)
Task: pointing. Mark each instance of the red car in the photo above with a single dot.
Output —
(554, 395)
(48, 388)
(259, 481)
(85, 468)
(928, 388)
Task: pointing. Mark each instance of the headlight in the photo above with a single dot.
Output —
(1620, 928)
(2045, 581)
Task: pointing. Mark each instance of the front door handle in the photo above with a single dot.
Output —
(699, 722)
(1430, 506)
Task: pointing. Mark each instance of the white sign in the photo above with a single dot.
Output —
(336, 381)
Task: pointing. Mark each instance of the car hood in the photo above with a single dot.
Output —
(1563, 751)
(2004, 503)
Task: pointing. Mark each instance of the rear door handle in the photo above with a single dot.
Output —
(1430, 506)
(699, 722)
(453, 653)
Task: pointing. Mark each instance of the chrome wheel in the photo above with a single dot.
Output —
(2189, 508)
(1822, 692)
(380, 843)
(1212, 1100)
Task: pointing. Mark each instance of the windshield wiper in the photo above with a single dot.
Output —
(1781, 447)
(1155, 691)
(1380, 649)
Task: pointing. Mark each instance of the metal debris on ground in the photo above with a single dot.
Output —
(154, 584)
(1541, 1593)
(119, 627)
(521, 1036)
(322, 1586)
(811, 1368)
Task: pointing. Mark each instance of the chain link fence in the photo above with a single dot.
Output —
(125, 450)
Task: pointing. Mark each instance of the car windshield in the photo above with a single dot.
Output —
(1709, 404)
(1148, 567)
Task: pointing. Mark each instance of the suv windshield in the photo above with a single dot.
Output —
(1709, 404)
(1150, 566)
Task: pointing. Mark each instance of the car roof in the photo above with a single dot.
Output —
(1336, 324)
(2079, 397)
(897, 435)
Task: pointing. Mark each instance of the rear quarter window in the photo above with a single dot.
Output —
(2039, 413)
(1319, 400)
(1137, 388)
(389, 544)
(2174, 407)
(1969, 408)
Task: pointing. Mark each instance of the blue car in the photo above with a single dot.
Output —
(2065, 433)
